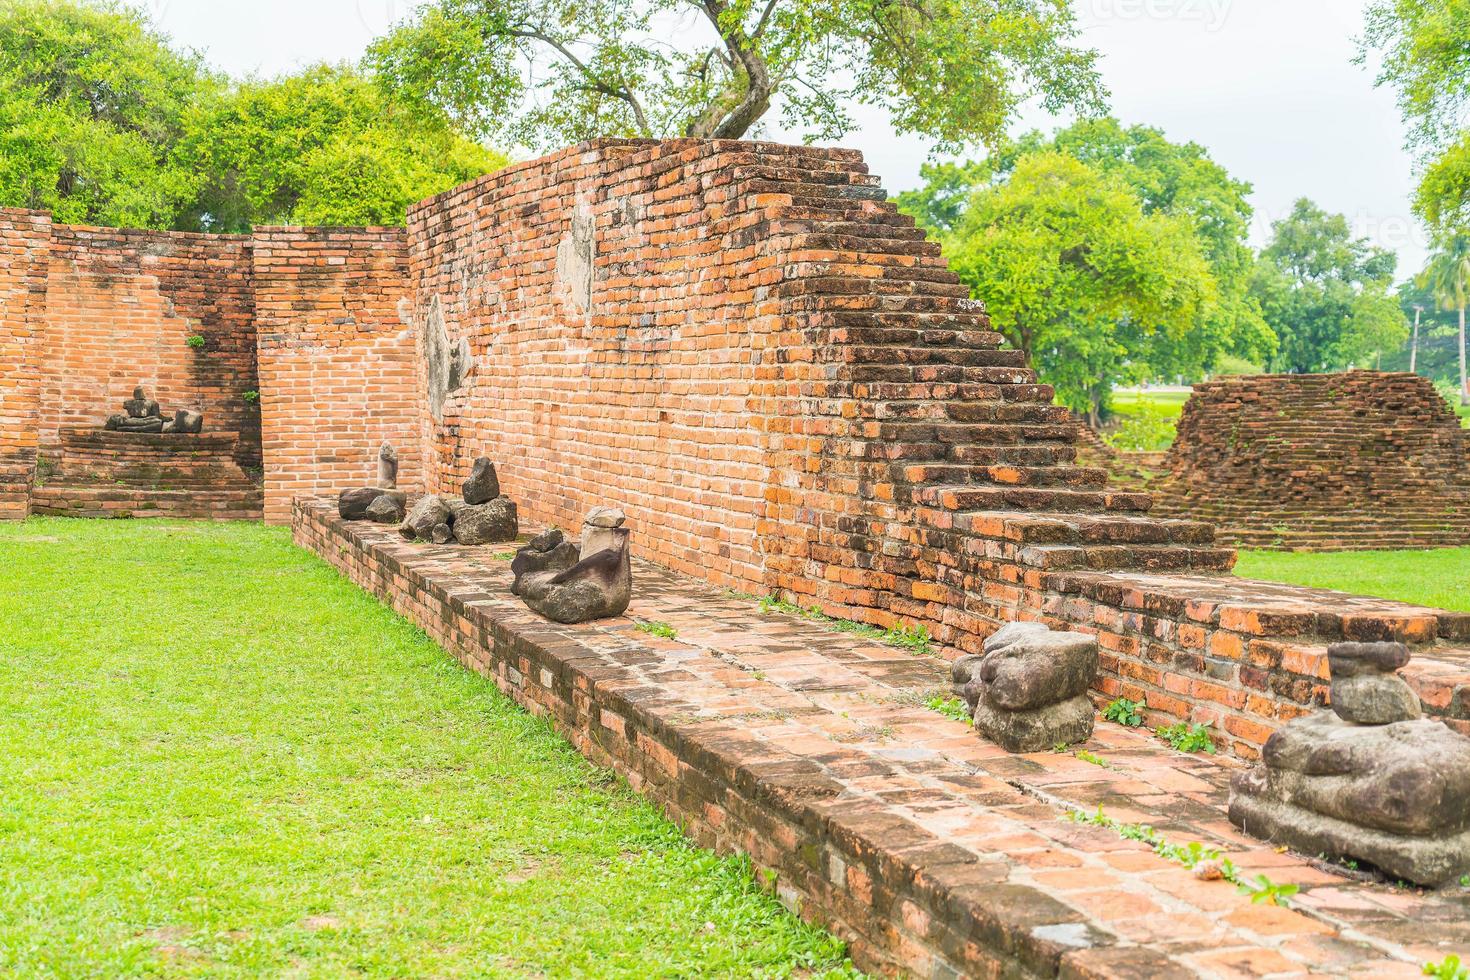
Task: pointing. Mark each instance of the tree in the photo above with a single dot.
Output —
(1326, 294)
(1448, 278)
(1076, 274)
(1426, 57)
(102, 122)
(550, 72)
(1175, 179)
(92, 103)
(324, 146)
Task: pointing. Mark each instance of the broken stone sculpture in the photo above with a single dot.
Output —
(380, 503)
(482, 515)
(446, 363)
(1368, 780)
(1028, 691)
(597, 585)
(142, 414)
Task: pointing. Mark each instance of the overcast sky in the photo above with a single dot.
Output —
(1268, 86)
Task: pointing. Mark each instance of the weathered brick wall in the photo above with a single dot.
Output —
(24, 243)
(338, 373)
(616, 298)
(1363, 459)
(120, 307)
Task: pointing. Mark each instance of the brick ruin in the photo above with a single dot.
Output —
(744, 346)
(1326, 462)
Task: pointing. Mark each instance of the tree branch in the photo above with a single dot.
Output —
(594, 81)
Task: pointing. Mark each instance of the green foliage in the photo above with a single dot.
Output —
(1326, 294)
(1124, 712)
(1228, 365)
(195, 341)
(251, 397)
(1149, 431)
(103, 122)
(956, 71)
(1448, 968)
(1263, 890)
(655, 628)
(915, 638)
(255, 729)
(1426, 58)
(1189, 855)
(950, 707)
(1187, 738)
(1092, 758)
(92, 104)
(1076, 274)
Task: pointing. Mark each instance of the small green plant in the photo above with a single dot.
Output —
(1465, 881)
(251, 397)
(954, 708)
(195, 341)
(1263, 890)
(1187, 738)
(1448, 968)
(1189, 855)
(1093, 758)
(503, 555)
(1124, 712)
(655, 628)
(915, 638)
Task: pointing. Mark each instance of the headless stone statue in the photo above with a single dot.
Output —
(597, 585)
(387, 467)
(142, 414)
(381, 503)
(1028, 691)
(1369, 780)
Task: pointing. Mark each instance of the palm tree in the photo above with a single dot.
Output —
(1448, 277)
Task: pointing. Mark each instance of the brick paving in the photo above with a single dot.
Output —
(933, 852)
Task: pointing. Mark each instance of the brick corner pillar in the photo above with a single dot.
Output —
(337, 361)
(25, 242)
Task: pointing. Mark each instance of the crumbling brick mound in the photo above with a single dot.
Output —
(1359, 460)
(147, 474)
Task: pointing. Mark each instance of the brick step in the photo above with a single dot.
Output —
(875, 266)
(123, 502)
(1084, 529)
(775, 169)
(1136, 558)
(882, 303)
(970, 323)
(872, 227)
(872, 336)
(991, 408)
(815, 193)
(840, 285)
(1006, 432)
(948, 393)
(942, 471)
(869, 244)
(957, 497)
(924, 354)
(955, 374)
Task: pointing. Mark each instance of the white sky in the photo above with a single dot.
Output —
(1268, 86)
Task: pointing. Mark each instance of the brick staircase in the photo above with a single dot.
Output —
(139, 474)
(1321, 462)
(945, 467)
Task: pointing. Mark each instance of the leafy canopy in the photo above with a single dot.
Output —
(102, 121)
(1426, 56)
(1076, 273)
(1326, 294)
(550, 72)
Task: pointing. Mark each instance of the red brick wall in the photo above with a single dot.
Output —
(120, 306)
(24, 242)
(648, 397)
(337, 362)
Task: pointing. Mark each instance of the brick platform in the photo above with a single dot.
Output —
(143, 474)
(932, 852)
(1325, 462)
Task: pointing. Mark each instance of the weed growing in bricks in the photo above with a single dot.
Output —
(1192, 855)
(1187, 738)
(251, 397)
(1124, 712)
(915, 638)
(1447, 969)
(1265, 891)
(950, 707)
(195, 341)
(503, 555)
(1093, 758)
(655, 628)
(1465, 881)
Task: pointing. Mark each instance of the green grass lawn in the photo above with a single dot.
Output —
(219, 758)
(1439, 578)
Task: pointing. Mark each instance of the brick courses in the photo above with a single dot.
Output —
(1324, 462)
(25, 238)
(338, 372)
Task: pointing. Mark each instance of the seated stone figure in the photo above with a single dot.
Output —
(1368, 780)
(381, 503)
(598, 585)
(142, 414)
(1028, 691)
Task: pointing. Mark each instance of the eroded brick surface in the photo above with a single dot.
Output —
(931, 851)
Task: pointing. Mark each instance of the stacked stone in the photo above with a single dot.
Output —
(142, 414)
(1363, 459)
(568, 583)
(1369, 780)
(480, 515)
